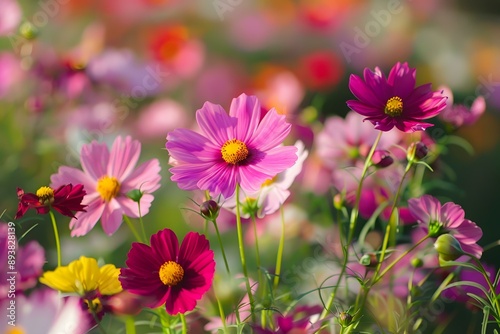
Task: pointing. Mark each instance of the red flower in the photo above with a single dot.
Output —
(163, 273)
(65, 199)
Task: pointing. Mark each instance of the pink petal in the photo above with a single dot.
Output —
(112, 217)
(131, 208)
(402, 80)
(271, 132)
(362, 91)
(216, 124)
(220, 179)
(187, 146)
(146, 178)
(247, 110)
(188, 176)
(365, 109)
(452, 214)
(94, 158)
(67, 175)
(85, 221)
(123, 158)
(192, 247)
(180, 301)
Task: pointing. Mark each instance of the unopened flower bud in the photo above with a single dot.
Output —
(417, 151)
(135, 195)
(448, 248)
(209, 210)
(338, 201)
(344, 319)
(369, 260)
(28, 30)
(382, 158)
(417, 262)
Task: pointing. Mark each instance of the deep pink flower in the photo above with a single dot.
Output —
(167, 274)
(29, 261)
(394, 101)
(437, 219)
(238, 148)
(65, 199)
(108, 176)
(459, 114)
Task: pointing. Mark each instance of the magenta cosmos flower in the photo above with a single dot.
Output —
(394, 101)
(437, 219)
(163, 273)
(239, 148)
(107, 177)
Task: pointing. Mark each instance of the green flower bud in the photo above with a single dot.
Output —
(28, 31)
(448, 248)
(417, 262)
(135, 195)
(345, 319)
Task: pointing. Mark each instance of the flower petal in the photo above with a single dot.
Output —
(112, 217)
(247, 110)
(85, 221)
(123, 158)
(165, 246)
(215, 123)
(94, 158)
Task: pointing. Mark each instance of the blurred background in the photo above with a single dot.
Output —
(76, 70)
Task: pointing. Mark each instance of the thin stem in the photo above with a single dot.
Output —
(221, 246)
(355, 209)
(488, 281)
(242, 252)
(129, 325)
(352, 224)
(257, 253)
(133, 229)
(281, 246)
(142, 223)
(184, 323)
(164, 320)
(56, 237)
(221, 312)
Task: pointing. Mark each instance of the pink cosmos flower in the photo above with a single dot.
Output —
(437, 219)
(167, 274)
(273, 192)
(44, 311)
(239, 148)
(107, 177)
(394, 101)
(29, 261)
(458, 114)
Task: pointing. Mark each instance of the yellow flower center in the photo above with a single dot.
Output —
(45, 195)
(268, 182)
(234, 151)
(394, 106)
(171, 273)
(94, 305)
(15, 330)
(108, 187)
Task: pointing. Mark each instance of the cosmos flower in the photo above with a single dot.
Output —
(168, 275)
(108, 176)
(459, 114)
(64, 199)
(437, 219)
(44, 311)
(29, 261)
(394, 101)
(83, 277)
(239, 148)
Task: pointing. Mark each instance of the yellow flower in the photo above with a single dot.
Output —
(83, 276)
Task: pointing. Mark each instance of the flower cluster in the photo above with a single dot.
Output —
(262, 250)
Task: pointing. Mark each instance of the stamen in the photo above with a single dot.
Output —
(108, 187)
(394, 106)
(234, 151)
(45, 195)
(171, 273)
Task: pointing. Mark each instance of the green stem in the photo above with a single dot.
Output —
(133, 229)
(221, 246)
(184, 323)
(352, 224)
(257, 252)
(281, 246)
(129, 325)
(242, 253)
(355, 209)
(221, 312)
(164, 320)
(56, 236)
(488, 281)
(142, 223)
